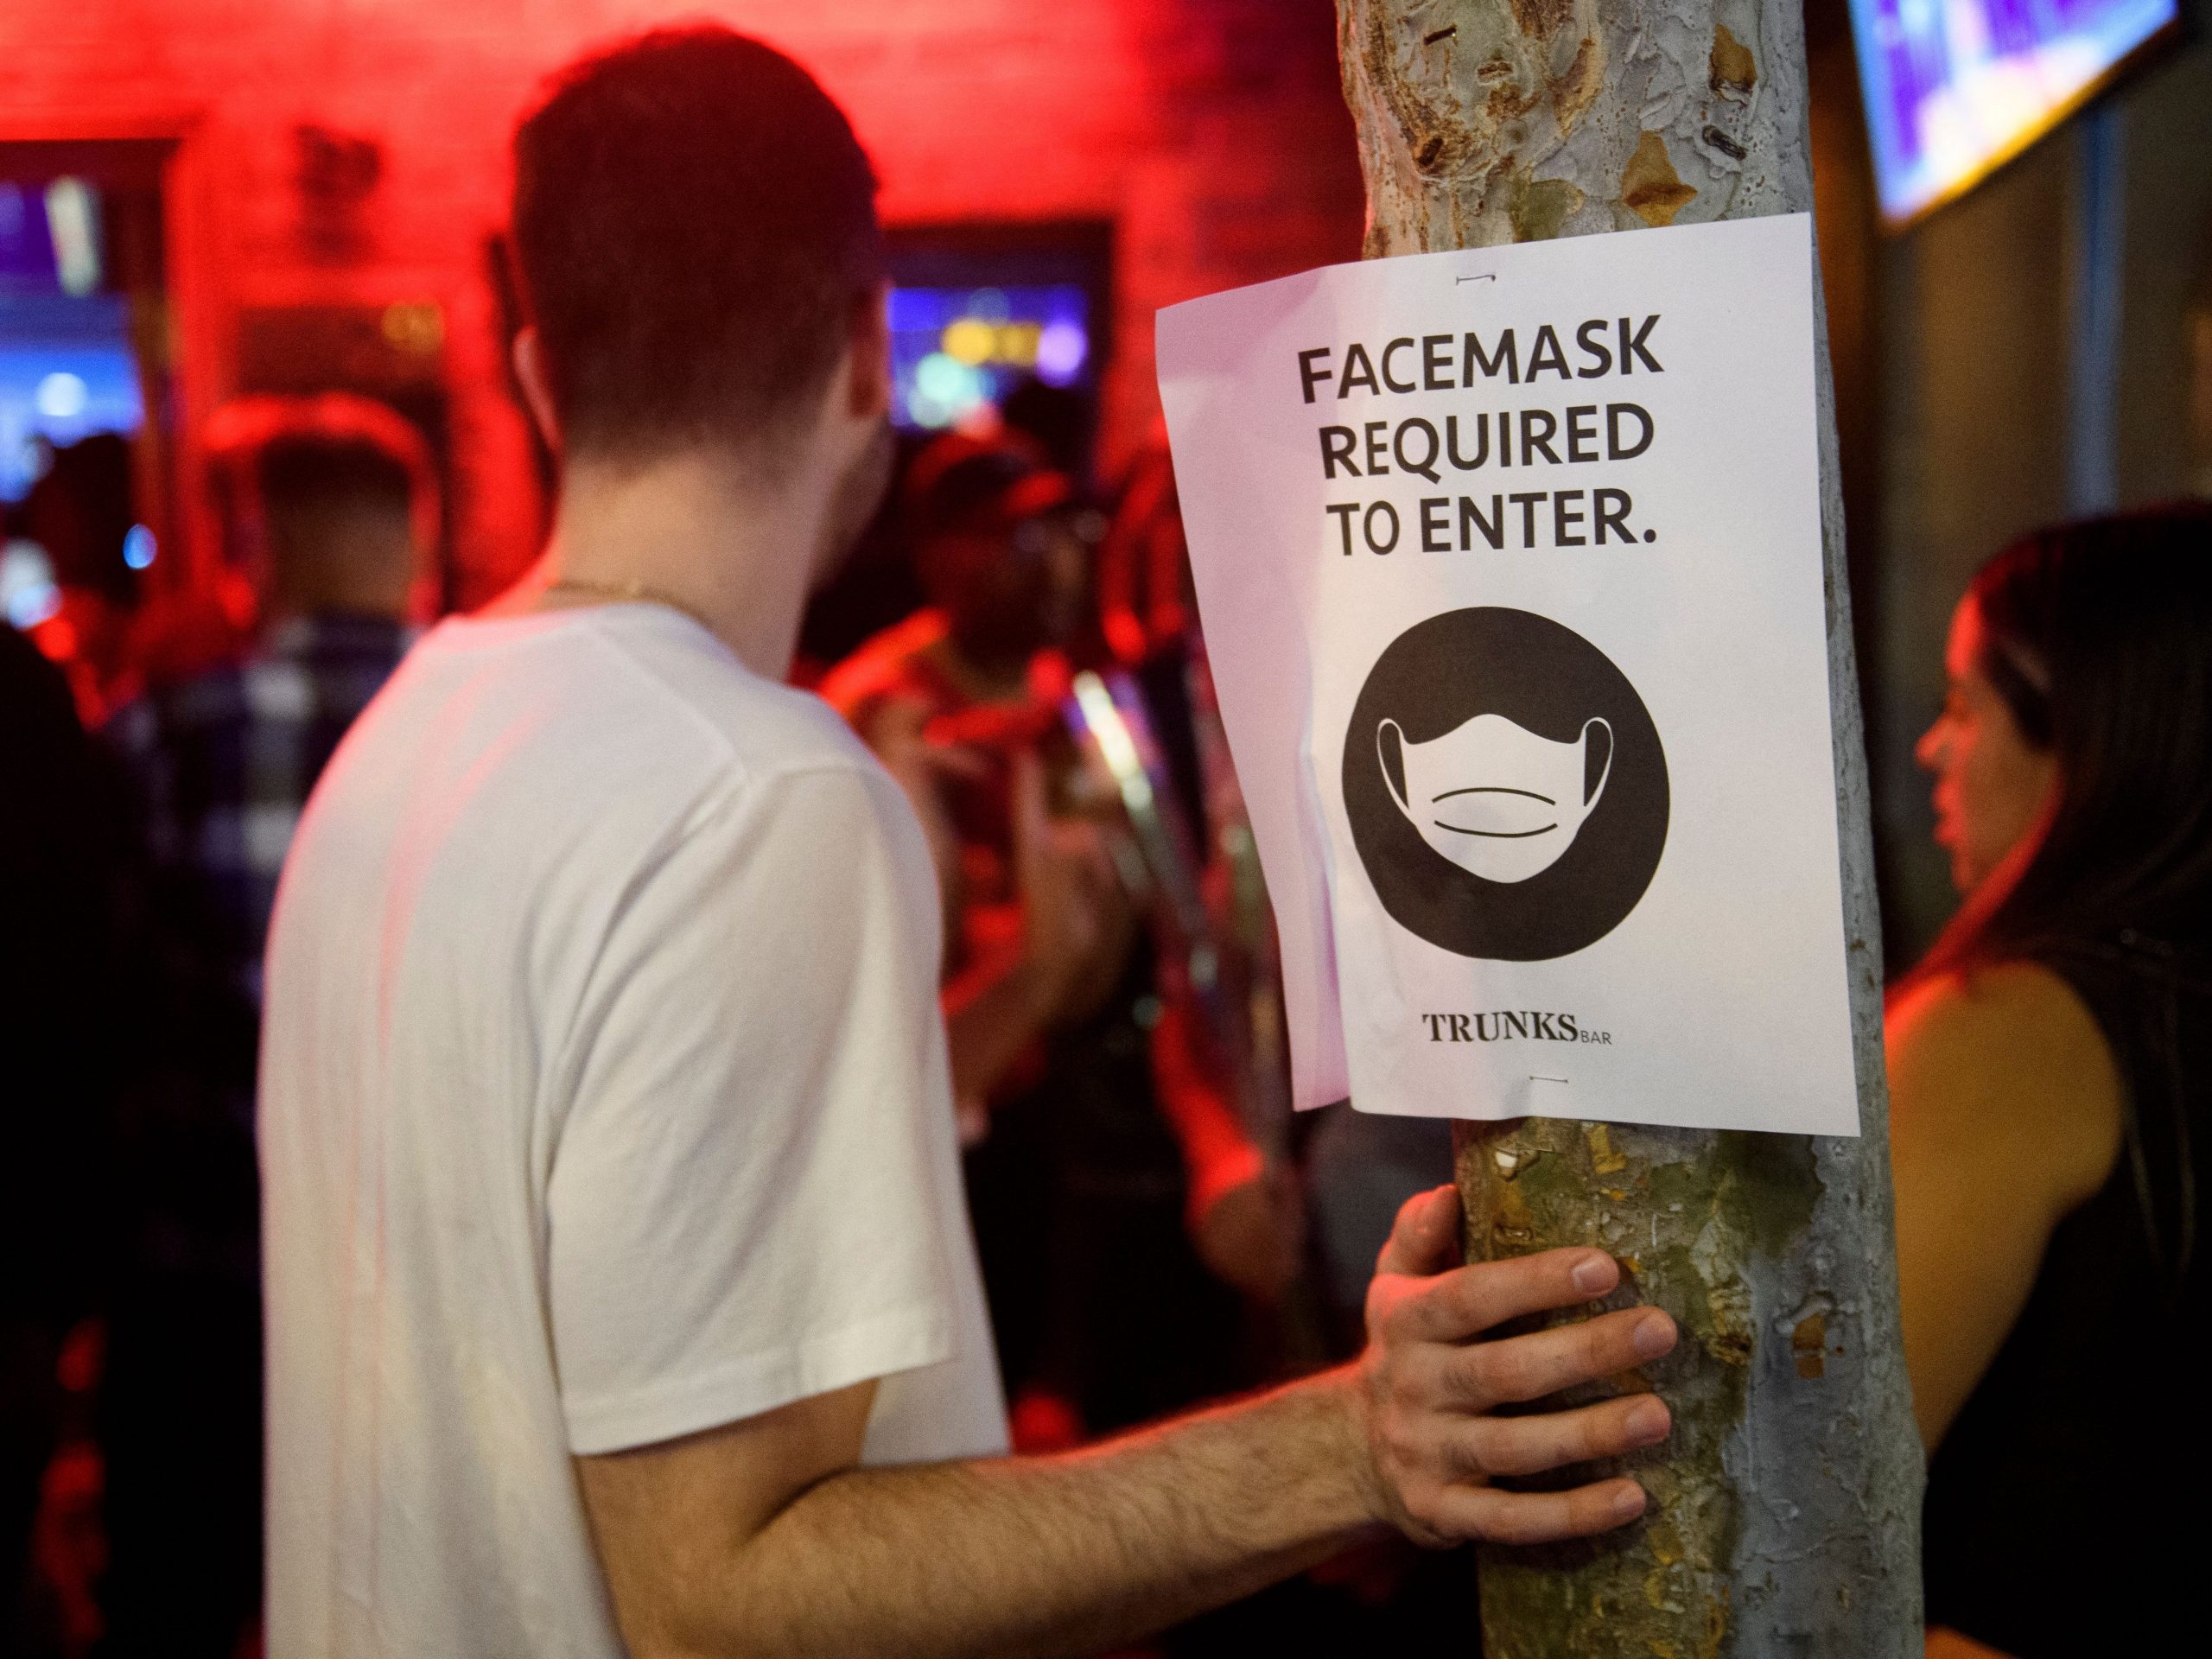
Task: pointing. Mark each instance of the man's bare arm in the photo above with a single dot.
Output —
(761, 1538)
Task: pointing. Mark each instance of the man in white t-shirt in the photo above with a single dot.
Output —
(621, 1297)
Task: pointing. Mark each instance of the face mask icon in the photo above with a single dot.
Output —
(1492, 796)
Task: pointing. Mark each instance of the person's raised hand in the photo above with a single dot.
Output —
(1430, 1390)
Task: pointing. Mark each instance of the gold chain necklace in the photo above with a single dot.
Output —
(628, 593)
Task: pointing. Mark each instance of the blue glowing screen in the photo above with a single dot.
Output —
(955, 351)
(1953, 87)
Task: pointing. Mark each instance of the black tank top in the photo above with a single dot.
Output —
(2067, 1510)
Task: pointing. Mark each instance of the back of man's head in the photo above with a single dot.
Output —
(340, 518)
(330, 502)
(693, 224)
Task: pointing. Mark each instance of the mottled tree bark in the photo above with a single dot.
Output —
(1785, 1518)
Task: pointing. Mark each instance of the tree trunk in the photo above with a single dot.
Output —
(1785, 1517)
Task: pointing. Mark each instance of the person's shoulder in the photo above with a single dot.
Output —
(769, 729)
(631, 724)
(1999, 1010)
(2009, 1049)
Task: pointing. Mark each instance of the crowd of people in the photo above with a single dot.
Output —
(703, 1122)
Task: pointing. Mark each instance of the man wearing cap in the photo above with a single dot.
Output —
(619, 1296)
(1085, 1156)
(955, 699)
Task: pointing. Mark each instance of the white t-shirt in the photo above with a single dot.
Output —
(604, 1099)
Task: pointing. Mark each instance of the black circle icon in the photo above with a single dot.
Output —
(1506, 788)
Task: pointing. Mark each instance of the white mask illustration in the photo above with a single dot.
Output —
(1492, 796)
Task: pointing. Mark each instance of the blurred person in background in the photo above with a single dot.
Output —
(1356, 1169)
(328, 500)
(1107, 1170)
(63, 850)
(81, 514)
(1219, 1053)
(330, 510)
(956, 700)
(2051, 1070)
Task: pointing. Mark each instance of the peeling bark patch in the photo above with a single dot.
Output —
(1437, 139)
(1542, 208)
(1603, 1159)
(1650, 188)
(1778, 1185)
(1732, 1338)
(1515, 1229)
(1730, 69)
(1808, 1342)
(1727, 146)
(1542, 18)
(1572, 91)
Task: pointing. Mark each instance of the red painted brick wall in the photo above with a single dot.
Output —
(1211, 131)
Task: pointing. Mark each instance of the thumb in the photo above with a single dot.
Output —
(1424, 1239)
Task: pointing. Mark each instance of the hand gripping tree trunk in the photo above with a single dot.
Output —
(1786, 1508)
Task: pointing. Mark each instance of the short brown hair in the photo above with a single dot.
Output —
(272, 457)
(694, 222)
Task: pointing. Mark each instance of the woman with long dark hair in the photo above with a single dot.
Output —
(2050, 1064)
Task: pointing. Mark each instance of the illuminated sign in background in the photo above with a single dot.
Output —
(957, 353)
(1954, 87)
(66, 369)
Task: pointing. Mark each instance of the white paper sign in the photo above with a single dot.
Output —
(1510, 564)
